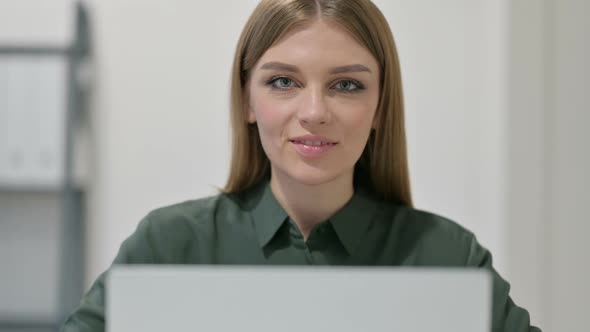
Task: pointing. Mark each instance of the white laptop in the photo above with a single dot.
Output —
(295, 299)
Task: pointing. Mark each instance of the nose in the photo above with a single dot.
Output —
(313, 109)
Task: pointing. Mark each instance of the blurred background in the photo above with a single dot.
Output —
(109, 109)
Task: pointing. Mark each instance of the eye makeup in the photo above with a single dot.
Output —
(285, 83)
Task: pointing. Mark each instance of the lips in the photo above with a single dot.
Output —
(311, 146)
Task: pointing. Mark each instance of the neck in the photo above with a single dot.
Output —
(308, 205)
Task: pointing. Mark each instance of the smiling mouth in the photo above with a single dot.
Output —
(310, 149)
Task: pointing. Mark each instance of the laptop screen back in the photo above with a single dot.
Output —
(296, 299)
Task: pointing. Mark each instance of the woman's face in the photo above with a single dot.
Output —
(313, 96)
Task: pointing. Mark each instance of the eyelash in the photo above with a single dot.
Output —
(358, 86)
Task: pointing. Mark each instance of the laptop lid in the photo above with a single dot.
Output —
(294, 299)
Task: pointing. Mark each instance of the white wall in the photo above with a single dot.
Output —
(549, 161)
(568, 162)
(526, 152)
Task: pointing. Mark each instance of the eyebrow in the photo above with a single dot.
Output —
(336, 70)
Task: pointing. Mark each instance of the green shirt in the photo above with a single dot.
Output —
(253, 228)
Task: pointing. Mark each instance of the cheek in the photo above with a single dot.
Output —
(357, 126)
(358, 119)
(272, 117)
(269, 116)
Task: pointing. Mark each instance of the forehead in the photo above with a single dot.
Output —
(318, 45)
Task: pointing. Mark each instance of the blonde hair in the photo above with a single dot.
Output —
(383, 162)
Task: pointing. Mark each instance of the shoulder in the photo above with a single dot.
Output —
(426, 238)
(195, 212)
(169, 233)
(428, 223)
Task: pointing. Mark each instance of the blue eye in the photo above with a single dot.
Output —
(281, 83)
(285, 83)
(349, 86)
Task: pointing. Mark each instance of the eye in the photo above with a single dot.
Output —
(281, 83)
(349, 86)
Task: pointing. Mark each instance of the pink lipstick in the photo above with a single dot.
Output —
(312, 146)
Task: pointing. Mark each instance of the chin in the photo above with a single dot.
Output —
(311, 176)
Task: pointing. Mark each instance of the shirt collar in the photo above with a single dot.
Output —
(350, 222)
(268, 214)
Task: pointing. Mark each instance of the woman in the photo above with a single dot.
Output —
(319, 169)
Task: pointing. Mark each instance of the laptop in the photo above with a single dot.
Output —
(294, 299)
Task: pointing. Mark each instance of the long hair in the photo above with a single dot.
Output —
(384, 160)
